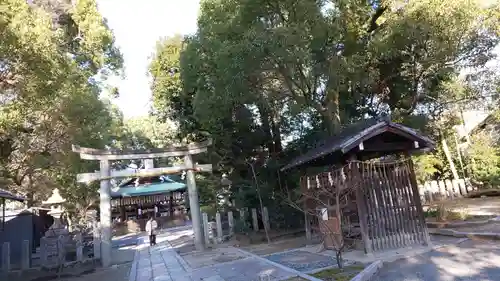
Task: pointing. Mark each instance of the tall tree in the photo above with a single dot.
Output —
(50, 55)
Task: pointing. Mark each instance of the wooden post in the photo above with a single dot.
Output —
(265, 218)
(206, 231)
(451, 189)
(43, 251)
(230, 220)
(429, 189)
(255, 221)
(420, 210)
(25, 255)
(218, 223)
(6, 257)
(79, 247)
(194, 204)
(105, 214)
(442, 190)
(362, 212)
(435, 189)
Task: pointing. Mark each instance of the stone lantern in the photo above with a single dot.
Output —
(55, 202)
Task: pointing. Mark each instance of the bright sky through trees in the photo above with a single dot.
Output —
(137, 26)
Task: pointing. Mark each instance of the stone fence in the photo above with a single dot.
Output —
(53, 252)
(433, 191)
(223, 227)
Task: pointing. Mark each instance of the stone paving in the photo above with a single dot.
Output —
(467, 261)
(163, 263)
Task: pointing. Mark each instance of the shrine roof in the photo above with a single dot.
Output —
(10, 196)
(147, 189)
(331, 150)
(148, 186)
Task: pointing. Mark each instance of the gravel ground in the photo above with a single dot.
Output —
(467, 261)
(115, 273)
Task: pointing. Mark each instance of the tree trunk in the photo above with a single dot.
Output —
(276, 132)
(331, 113)
(257, 188)
(266, 126)
(450, 159)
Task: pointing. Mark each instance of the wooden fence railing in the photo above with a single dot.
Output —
(433, 191)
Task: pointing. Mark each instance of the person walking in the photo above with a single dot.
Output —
(151, 226)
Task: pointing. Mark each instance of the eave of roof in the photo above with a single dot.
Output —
(10, 196)
(354, 134)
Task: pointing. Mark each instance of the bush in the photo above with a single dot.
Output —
(441, 213)
(241, 227)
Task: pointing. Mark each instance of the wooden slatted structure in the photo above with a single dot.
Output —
(377, 195)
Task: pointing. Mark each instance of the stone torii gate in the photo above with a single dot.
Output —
(105, 174)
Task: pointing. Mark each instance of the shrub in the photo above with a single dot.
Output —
(241, 227)
(441, 213)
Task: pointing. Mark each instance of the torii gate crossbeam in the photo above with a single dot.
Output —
(105, 174)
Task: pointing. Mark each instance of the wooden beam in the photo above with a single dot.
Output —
(90, 177)
(388, 146)
(113, 154)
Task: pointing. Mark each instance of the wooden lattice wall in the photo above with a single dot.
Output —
(383, 195)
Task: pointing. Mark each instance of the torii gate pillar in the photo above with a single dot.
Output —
(194, 205)
(105, 213)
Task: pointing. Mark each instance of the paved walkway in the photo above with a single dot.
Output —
(467, 261)
(162, 263)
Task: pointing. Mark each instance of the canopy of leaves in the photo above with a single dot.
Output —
(259, 74)
(50, 56)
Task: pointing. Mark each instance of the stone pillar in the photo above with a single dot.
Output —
(265, 218)
(6, 257)
(218, 223)
(96, 240)
(61, 250)
(194, 204)
(307, 220)
(105, 215)
(230, 220)
(149, 163)
(79, 247)
(242, 215)
(255, 221)
(206, 231)
(43, 251)
(25, 255)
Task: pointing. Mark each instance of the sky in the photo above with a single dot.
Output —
(137, 25)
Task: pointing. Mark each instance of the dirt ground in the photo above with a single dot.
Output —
(276, 246)
(489, 206)
(492, 227)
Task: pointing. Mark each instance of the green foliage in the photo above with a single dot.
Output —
(442, 214)
(258, 73)
(51, 56)
(484, 160)
(241, 227)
